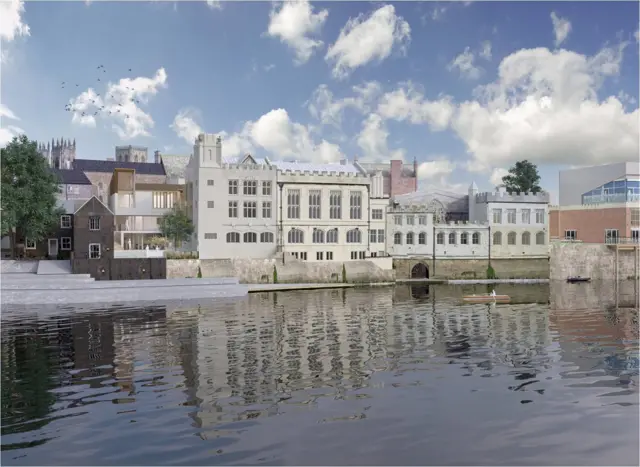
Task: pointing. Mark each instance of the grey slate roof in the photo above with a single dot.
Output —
(141, 168)
(71, 177)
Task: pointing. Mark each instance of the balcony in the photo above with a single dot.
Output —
(611, 198)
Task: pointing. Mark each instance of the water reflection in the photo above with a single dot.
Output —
(282, 378)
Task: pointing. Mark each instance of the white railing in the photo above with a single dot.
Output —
(610, 198)
(130, 254)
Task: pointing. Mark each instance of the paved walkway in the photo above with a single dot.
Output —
(54, 267)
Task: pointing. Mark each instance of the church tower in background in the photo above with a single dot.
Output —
(60, 154)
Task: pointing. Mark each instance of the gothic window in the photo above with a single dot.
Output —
(332, 236)
(295, 236)
(497, 238)
(318, 236)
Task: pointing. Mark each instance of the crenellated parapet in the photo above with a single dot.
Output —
(459, 224)
(249, 167)
(503, 197)
(323, 173)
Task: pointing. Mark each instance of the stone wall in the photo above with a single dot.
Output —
(596, 261)
(257, 271)
(596, 295)
(451, 268)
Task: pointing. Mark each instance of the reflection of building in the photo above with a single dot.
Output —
(598, 204)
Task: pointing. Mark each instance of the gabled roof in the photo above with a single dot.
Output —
(141, 168)
(88, 201)
(175, 165)
(71, 176)
(246, 159)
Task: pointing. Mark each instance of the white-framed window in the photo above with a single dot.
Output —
(249, 187)
(422, 238)
(475, 238)
(209, 182)
(611, 235)
(160, 199)
(293, 204)
(540, 238)
(94, 223)
(497, 216)
(94, 251)
(266, 188)
(65, 221)
(397, 238)
(329, 255)
(295, 236)
(319, 255)
(381, 238)
(410, 220)
(571, 235)
(233, 187)
(303, 255)
(266, 209)
(497, 238)
(210, 204)
(635, 216)
(511, 238)
(354, 255)
(377, 214)
(266, 237)
(526, 238)
(511, 216)
(355, 205)
(315, 199)
(373, 237)
(211, 236)
(233, 209)
(397, 220)
(635, 235)
(233, 237)
(409, 238)
(452, 238)
(250, 209)
(332, 236)
(540, 216)
(317, 236)
(335, 205)
(65, 243)
(354, 236)
(422, 220)
(29, 244)
(440, 238)
(526, 216)
(250, 237)
(126, 200)
(464, 238)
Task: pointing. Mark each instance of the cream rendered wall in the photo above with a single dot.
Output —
(458, 249)
(377, 247)
(397, 219)
(325, 182)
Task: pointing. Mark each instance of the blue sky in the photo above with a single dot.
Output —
(287, 81)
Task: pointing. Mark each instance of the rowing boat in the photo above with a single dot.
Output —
(486, 298)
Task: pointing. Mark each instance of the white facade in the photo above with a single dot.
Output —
(410, 231)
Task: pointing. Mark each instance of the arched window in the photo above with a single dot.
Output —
(332, 236)
(233, 237)
(497, 238)
(464, 238)
(295, 236)
(540, 238)
(409, 240)
(526, 238)
(354, 236)
(266, 237)
(422, 238)
(250, 237)
(511, 238)
(440, 238)
(452, 238)
(318, 236)
(397, 238)
(475, 238)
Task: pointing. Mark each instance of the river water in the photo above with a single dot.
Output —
(380, 376)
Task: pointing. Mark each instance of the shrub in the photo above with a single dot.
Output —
(344, 274)
(275, 274)
(491, 273)
(181, 255)
(199, 276)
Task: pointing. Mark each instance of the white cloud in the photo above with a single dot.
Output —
(407, 104)
(486, 50)
(324, 107)
(561, 28)
(373, 141)
(464, 64)
(185, 125)
(7, 132)
(11, 24)
(214, 4)
(295, 24)
(120, 104)
(365, 39)
(496, 176)
(435, 169)
(544, 107)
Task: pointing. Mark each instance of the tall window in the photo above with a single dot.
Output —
(511, 216)
(233, 209)
(611, 235)
(376, 214)
(65, 222)
(635, 217)
(475, 238)
(266, 188)
(422, 238)
(266, 209)
(355, 205)
(497, 216)
(540, 238)
(354, 236)
(94, 251)
(250, 237)
(250, 209)
(293, 204)
(335, 205)
(409, 238)
(233, 237)
(233, 187)
(94, 223)
(511, 238)
(410, 220)
(250, 187)
(397, 238)
(452, 238)
(422, 220)
(163, 199)
(497, 238)
(397, 220)
(65, 243)
(381, 238)
(295, 236)
(526, 216)
(332, 236)
(540, 216)
(266, 237)
(314, 203)
(373, 236)
(526, 238)
(464, 238)
(440, 238)
(571, 235)
(318, 236)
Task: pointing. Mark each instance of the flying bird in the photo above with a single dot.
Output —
(95, 113)
(129, 69)
(98, 79)
(77, 85)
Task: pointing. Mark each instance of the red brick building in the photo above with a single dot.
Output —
(595, 223)
(398, 179)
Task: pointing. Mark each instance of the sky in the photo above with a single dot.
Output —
(464, 88)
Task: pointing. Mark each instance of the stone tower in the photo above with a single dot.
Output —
(59, 154)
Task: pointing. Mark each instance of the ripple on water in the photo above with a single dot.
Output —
(361, 376)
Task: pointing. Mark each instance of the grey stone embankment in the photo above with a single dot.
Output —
(498, 281)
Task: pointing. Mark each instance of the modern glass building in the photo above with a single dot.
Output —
(626, 190)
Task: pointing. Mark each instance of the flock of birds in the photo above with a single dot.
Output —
(102, 108)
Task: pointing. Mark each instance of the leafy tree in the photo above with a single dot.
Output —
(28, 192)
(523, 177)
(176, 225)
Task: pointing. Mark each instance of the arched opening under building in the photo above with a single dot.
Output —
(420, 271)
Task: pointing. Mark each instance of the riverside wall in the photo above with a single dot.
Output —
(451, 268)
(597, 261)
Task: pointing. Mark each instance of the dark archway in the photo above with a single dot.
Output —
(420, 271)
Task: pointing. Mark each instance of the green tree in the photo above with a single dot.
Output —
(28, 192)
(176, 225)
(523, 177)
